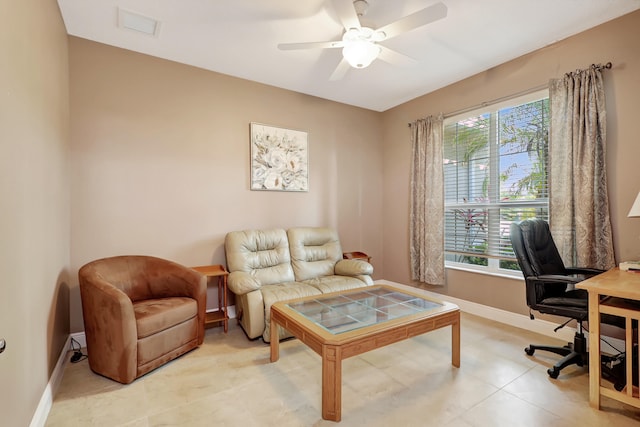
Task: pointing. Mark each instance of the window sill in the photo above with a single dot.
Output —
(514, 276)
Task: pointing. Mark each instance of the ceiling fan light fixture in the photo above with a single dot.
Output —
(359, 48)
(360, 53)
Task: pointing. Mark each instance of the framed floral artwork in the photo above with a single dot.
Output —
(279, 159)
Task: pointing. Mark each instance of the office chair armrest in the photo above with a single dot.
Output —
(584, 270)
(555, 278)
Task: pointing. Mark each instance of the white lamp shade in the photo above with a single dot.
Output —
(635, 209)
(360, 53)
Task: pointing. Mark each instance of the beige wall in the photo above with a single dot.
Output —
(34, 201)
(149, 134)
(617, 41)
(160, 161)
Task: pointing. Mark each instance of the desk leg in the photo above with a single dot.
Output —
(331, 383)
(595, 369)
(455, 343)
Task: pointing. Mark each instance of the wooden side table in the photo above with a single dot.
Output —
(222, 314)
(356, 255)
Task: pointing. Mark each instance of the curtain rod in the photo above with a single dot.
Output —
(600, 67)
(607, 66)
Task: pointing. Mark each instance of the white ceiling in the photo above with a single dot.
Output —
(240, 38)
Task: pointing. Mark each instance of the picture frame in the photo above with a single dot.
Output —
(279, 159)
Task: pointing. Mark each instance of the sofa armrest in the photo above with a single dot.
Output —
(353, 267)
(241, 282)
(110, 329)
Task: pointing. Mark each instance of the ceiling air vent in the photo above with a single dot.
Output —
(136, 22)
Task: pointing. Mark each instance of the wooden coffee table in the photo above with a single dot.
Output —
(344, 324)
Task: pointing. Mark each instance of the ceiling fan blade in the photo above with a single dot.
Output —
(311, 45)
(340, 71)
(346, 13)
(395, 58)
(415, 20)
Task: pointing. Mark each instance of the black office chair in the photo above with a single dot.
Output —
(550, 289)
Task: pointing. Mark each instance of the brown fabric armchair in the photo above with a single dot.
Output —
(139, 313)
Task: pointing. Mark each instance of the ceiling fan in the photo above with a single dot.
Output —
(361, 44)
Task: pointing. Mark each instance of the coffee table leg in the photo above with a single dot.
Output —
(275, 344)
(455, 343)
(331, 383)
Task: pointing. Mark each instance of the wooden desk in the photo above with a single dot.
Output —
(620, 284)
(222, 314)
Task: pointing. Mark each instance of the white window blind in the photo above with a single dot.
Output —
(495, 172)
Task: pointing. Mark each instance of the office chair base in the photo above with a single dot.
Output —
(573, 354)
(578, 358)
(562, 351)
(573, 358)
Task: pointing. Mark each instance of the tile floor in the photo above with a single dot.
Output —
(229, 381)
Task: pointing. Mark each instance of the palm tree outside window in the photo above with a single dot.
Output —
(495, 172)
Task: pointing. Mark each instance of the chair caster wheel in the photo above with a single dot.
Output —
(553, 373)
(529, 351)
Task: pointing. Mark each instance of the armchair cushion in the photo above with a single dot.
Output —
(156, 315)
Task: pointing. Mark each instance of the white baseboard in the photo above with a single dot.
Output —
(44, 406)
(514, 319)
(521, 321)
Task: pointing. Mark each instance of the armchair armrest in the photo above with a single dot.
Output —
(175, 280)
(110, 327)
(353, 267)
(241, 282)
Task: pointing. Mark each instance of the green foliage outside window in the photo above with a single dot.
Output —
(495, 173)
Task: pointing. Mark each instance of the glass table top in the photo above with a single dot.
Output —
(367, 307)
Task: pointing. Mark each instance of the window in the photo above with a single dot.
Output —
(495, 172)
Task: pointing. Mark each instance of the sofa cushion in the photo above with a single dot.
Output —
(264, 254)
(272, 294)
(328, 284)
(155, 315)
(314, 251)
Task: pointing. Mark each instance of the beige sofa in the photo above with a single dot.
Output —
(267, 266)
(139, 313)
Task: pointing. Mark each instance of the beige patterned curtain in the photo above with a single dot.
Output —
(426, 224)
(579, 203)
